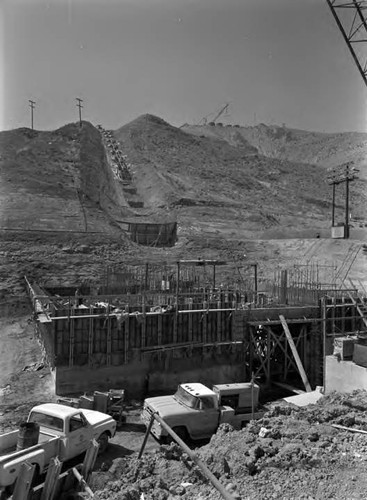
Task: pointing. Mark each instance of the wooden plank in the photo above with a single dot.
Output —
(190, 306)
(109, 340)
(295, 354)
(71, 343)
(90, 341)
(350, 429)
(89, 459)
(82, 482)
(24, 481)
(52, 478)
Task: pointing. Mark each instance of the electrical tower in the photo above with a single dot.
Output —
(351, 18)
(344, 173)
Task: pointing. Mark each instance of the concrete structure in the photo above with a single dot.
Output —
(344, 376)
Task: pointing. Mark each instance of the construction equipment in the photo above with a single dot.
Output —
(352, 22)
(217, 114)
(111, 403)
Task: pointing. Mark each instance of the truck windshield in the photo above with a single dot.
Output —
(185, 397)
(47, 420)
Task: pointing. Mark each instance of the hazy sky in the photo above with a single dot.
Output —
(275, 61)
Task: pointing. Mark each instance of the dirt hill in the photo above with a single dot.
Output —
(207, 178)
(57, 181)
(327, 150)
(61, 204)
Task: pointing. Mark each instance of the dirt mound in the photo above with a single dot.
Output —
(291, 453)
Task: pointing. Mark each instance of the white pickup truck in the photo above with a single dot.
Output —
(64, 432)
(195, 411)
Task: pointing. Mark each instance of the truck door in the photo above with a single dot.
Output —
(79, 435)
(207, 419)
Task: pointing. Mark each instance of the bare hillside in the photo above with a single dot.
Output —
(57, 181)
(323, 149)
(209, 179)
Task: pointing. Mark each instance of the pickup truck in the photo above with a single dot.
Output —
(64, 432)
(195, 411)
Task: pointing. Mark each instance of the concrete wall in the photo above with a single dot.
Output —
(208, 369)
(344, 376)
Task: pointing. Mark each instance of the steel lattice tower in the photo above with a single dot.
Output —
(351, 18)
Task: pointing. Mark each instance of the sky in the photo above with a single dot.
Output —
(274, 62)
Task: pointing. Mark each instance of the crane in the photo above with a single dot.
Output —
(351, 20)
(222, 110)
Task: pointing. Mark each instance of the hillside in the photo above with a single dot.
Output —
(61, 206)
(208, 179)
(327, 150)
(57, 181)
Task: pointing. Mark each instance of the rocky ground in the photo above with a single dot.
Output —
(291, 453)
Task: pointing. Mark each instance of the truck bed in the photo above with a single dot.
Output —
(8, 441)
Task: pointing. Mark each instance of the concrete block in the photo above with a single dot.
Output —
(344, 376)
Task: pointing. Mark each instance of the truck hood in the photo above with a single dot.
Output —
(167, 406)
(96, 417)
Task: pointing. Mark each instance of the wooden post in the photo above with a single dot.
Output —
(143, 324)
(71, 342)
(89, 459)
(150, 425)
(52, 477)
(24, 481)
(175, 330)
(82, 482)
(295, 354)
(219, 323)
(190, 319)
(160, 328)
(283, 287)
(90, 341)
(109, 341)
(268, 359)
(323, 312)
(126, 332)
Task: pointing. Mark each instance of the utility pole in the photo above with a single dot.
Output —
(345, 173)
(31, 105)
(80, 106)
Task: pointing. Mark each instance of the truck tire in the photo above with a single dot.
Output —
(181, 433)
(103, 442)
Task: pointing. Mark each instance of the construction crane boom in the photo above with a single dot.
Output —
(219, 113)
(352, 22)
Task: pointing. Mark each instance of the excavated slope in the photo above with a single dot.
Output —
(57, 181)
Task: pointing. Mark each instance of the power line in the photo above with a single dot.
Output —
(80, 106)
(31, 105)
(344, 173)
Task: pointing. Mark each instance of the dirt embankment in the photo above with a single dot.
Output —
(290, 454)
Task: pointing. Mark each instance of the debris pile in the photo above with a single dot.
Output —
(292, 453)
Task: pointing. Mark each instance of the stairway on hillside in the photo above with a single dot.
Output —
(120, 168)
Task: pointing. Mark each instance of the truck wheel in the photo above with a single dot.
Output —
(103, 443)
(181, 433)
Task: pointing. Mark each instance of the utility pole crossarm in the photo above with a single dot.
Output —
(80, 106)
(353, 27)
(31, 105)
